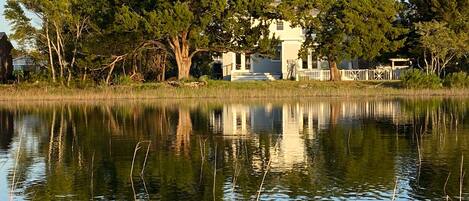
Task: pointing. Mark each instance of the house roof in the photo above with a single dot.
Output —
(2, 34)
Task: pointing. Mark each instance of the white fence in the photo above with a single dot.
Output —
(359, 75)
(323, 75)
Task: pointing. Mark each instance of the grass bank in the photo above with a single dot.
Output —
(220, 90)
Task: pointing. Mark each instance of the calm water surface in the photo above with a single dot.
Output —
(278, 150)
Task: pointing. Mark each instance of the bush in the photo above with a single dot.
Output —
(19, 75)
(204, 78)
(190, 79)
(123, 80)
(83, 84)
(417, 79)
(457, 80)
(38, 76)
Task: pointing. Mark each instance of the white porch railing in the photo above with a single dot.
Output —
(227, 69)
(358, 75)
(314, 74)
(323, 75)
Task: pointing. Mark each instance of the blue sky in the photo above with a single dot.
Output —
(4, 25)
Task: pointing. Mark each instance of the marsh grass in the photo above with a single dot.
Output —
(219, 89)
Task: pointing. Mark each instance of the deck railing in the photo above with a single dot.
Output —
(358, 74)
(227, 69)
(322, 75)
(315, 74)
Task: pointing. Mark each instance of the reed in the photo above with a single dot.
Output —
(215, 173)
(446, 184)
(137, 148)
(261, 186)
(92, 176)
(221, 89)
(395, 189)
(461, 178)
(14, 181)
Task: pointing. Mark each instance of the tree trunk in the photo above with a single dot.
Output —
(58, 46)
(335, 73)
(184, 66)
(181, 49)
(69, 78)
(109, 74)
(51, 60)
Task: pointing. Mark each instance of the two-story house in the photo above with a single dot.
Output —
(286, 64)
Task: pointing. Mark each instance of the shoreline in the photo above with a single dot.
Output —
(222, 90)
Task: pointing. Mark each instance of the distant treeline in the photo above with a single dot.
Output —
(105, 41)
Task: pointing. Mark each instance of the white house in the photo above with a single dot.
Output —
(285, 65)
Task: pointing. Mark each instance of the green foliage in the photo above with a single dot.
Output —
(23, 31)
(439, 30)
(346, 29)
(124, 80)
(189, 79)
(453, 12)
(185, 28)
(441, 45)
(204, 78)
(456, 80)
(417, 79)
(19, 74)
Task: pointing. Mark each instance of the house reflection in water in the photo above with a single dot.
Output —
(294, 124)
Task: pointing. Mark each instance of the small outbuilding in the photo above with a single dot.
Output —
(25, 64)
(6, 60)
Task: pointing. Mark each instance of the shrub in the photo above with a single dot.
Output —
(457, 80)
(19, 75)
(204, 78)
(83, 84)
(190, 79)
(417, 79)
(123, 80)
(39, 76)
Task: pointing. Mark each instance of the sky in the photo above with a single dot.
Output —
(4, 25)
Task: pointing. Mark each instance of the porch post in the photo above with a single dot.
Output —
(243, 62)
(318, 64)
(233, 62)
(233, 68)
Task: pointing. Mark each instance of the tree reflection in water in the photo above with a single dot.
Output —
(329, 149)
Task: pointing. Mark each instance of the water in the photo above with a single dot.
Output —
(327, 149)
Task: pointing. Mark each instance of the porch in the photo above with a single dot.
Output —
(243, 67)
(351, 75)
(233, 72)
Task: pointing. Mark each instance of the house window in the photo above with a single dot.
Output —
(304, 60)
(314, 63)
(238, 61)
(279, 25)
